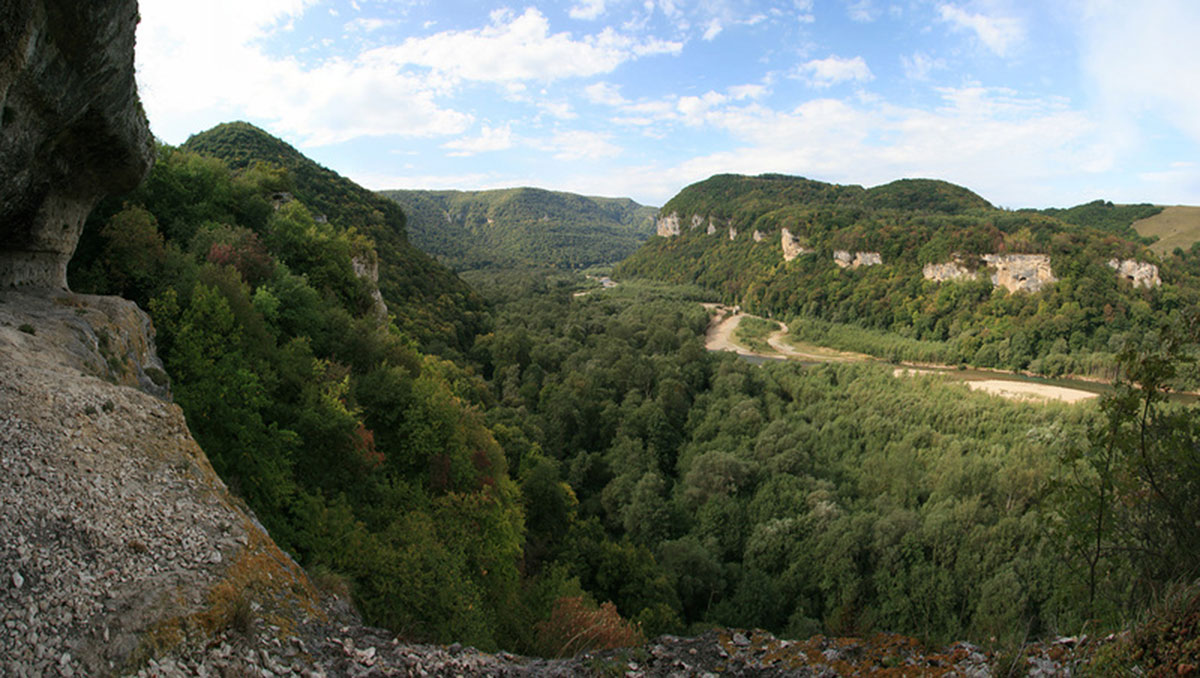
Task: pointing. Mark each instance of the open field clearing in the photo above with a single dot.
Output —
(1176, 226)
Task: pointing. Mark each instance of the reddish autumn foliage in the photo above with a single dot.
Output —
(576, 625)
(247, 255)
(364, 444)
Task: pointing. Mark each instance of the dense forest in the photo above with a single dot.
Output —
(523, 227)
(891, 310)
(545, 472)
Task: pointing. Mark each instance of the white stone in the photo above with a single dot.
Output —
(1141, 274)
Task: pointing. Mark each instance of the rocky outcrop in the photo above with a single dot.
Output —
(115, 533)
(1020, 272)
(792, 245)
(668, 226)
(1140, 273)
(697, 221)
(732, 233)
(845, 259)
(949, 271)
(366, 267)
(712, 227)
(758, 236)
(71, 128)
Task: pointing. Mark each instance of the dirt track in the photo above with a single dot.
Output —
(725, 321)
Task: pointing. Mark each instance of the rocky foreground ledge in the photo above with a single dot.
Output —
(122, 552)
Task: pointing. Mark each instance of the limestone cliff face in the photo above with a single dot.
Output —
(792, 245)
(366, 267)
(71, 128)
(845, 259)
(1140, 273)
(758, 236)
(951, 270)
(668, 226)
(1020, 272)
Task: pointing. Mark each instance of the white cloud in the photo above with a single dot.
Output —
(1137, 61)
(520, 47)
(834, 70)
(199, 65)
(587, 10)
(365, 24)
(604, 93)
(862, 11)
(489, 139)
(920, 65)
(578, 145)
(994, 141)
(712, 30)
(999, 34)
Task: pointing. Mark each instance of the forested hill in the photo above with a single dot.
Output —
(430, 302)
(522, 227)
(922, 269)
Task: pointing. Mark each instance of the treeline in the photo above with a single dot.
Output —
(1058, 330)
(523, 227)
(706, 491)
(367, 459)
(428, 300)
(586, 474)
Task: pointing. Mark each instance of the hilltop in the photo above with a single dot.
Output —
(921, 269)
(428, 300)
(523, 227)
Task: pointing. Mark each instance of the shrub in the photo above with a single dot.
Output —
(576, 625)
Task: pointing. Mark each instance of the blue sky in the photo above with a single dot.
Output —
(1027, 103)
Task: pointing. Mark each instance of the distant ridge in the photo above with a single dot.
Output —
(523, 227)
(924, 270)
(427, 298)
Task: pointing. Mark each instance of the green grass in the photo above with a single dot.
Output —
(1177, 226)
(752, 333)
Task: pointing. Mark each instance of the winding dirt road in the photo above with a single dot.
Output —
(725, 320)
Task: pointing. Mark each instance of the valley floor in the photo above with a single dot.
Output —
(722, 331)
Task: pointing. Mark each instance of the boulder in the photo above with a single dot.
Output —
(71, 128)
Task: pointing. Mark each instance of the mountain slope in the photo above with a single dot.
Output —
(429, 301)
(522, 227)
(929, 270)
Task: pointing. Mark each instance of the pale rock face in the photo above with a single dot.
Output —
(72, 129)
(668, 226)
(1141, 274)
(366, 267)
(758, 236)
(1021, 272)
(951, 270)
(712, 228)
(732, 233)
(791, 246)
(697, 220)
(845, 259)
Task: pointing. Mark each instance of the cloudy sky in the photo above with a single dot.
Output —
(1027, 102)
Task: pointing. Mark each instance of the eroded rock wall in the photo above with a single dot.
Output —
(951, 270)
(1020, 272)
(792, 245)
(668, 226)
(845, 259)
(71, 128)
(1140, 273)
